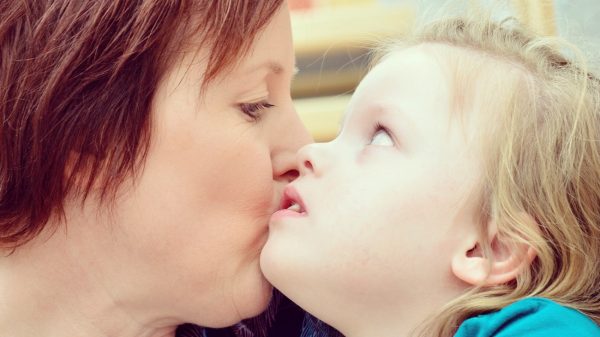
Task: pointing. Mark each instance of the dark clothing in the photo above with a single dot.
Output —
(282, 319)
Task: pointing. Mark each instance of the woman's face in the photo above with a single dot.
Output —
(191, 228)
(385, 205)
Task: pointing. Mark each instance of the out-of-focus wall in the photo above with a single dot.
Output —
(579, 22)
(332, 40)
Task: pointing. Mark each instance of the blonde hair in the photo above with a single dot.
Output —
(541, 155)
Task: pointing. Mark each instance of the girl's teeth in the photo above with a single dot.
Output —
(294, 207)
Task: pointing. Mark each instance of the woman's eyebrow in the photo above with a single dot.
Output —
(275, 67)
(271, 66)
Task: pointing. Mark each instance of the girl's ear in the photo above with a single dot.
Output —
(506, 260)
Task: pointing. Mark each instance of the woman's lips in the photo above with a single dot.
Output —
(291, 205)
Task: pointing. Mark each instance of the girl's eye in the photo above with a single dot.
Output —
(381, 137)
(253, 110)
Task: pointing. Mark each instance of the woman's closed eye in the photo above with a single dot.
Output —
(254, 110)
(381, 136)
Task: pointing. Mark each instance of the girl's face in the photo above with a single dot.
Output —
(383, 207)
(191, 227)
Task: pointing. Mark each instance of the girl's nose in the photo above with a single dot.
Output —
(311, 159)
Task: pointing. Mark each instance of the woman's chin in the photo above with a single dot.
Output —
(254, 297)
(248, 297)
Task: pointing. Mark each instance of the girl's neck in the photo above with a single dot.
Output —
(390, 327)
(401, 317)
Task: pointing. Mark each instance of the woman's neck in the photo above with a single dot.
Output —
(50, 287)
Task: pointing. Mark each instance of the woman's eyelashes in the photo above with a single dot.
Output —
(381, 136)
(254, 110)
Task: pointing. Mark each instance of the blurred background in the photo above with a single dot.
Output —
(332, 39)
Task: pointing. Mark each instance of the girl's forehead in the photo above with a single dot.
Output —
(477, 78)
(475, 85)
(402, 70)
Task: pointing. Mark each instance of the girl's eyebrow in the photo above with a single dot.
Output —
(388, 110)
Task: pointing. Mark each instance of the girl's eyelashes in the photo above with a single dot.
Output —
(381, 136)
(253, 110)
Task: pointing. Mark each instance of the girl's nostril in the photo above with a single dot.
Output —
(308, 165)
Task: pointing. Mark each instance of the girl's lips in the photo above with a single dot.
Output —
(291, 197)
(291, 205)
(286, 213)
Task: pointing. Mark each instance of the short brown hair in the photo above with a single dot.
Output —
(76, 83)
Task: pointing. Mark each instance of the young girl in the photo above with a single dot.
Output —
(461, 197)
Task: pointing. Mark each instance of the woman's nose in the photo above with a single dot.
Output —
(289, 139)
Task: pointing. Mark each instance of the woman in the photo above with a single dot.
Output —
(144, 147)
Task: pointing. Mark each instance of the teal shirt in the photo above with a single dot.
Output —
(532, 317)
